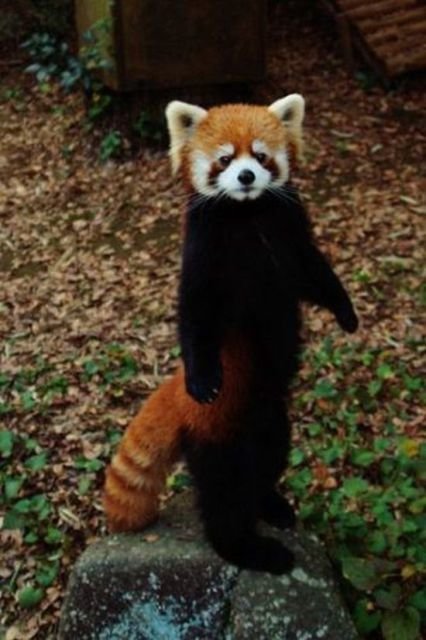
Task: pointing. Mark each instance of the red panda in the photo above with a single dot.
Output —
(248, 260)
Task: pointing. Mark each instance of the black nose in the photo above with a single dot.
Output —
(246, 177)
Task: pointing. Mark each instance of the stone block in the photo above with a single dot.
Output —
(167, 584)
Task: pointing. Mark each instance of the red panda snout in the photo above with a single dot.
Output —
(243, 176)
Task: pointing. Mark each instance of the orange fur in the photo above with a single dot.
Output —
(239, 125)
(150, 445)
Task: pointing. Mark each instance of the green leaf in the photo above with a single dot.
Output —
(23, 506)
(88, 465)
(381, 444)
(360, 572)
(12, 486)
(354, 520)
(324, 389)
(314, 429)
(412, 384)
(388, 598)
(306, 511)
(374, 387)
(84, 485)
(418, 506)
(29, 597)
(40, 505)
(14, 520)
(179, 481)
(352, 487)
(401, 625)
(31, 444)
(418, 600)
(37, 462)
(53, 536)
(28, 400)
(376, 542)
(365, 620)
(332, 453)
(300, 481)
(363, 457)
(176, 351)
(47, 573)
(6, 443)
(296, 457)
(114, 436)
(91, 368)
(31, 538)
(384, 371)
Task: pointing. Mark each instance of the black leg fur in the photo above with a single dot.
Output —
(235, 481)
(277, 511)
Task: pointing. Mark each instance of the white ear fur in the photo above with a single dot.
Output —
(182, 120)
(290, 110)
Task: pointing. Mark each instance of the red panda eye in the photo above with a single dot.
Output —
(260, 157)
(225, 161)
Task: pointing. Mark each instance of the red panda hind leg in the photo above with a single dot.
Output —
(138, 471)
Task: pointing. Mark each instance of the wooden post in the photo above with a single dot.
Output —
(344, 30)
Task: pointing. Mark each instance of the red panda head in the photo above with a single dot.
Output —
(239, 151)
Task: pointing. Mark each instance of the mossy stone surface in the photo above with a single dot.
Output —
(167, 584)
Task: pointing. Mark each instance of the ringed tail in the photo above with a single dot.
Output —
(138, 471)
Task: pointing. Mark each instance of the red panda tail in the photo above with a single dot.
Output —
(150, 445)
(138, 471)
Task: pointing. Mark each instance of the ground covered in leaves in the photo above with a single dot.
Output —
(89, 261)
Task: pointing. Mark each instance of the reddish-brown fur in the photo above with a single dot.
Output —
(150, 444)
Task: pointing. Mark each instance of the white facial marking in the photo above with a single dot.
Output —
(281, 158)
(258, 146)
(225, 150)
(200, 169)
(229, 182)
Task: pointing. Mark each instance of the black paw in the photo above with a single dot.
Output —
(347, 319)
(278, 512)
(257, 553)
(205, 386)
(268, 554)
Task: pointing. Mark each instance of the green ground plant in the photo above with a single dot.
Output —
(356, 473)
(110, 146)
(27, 491)
(53, 61)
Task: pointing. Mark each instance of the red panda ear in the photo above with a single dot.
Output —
(182, 120)
(290, 110)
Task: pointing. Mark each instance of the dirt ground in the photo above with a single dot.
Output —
(90, 252)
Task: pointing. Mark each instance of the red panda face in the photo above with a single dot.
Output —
(235, 151)
(238, 152)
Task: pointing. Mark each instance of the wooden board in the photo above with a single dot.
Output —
(165, 44)
(391, 34)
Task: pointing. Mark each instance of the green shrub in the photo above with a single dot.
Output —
(52, 59)
(358, 479)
